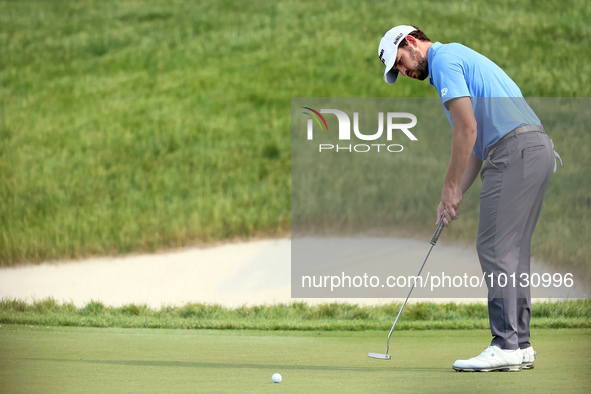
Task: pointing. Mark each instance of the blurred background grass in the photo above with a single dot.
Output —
(131, 126)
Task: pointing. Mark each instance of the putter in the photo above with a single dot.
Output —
(386, 356)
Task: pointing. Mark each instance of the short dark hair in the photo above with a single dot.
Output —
(418, 34)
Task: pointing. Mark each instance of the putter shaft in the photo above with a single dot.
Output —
(386, 356)
(407, 297)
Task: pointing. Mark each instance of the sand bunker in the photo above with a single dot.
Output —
(252, 273)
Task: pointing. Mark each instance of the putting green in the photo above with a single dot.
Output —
(64, 359)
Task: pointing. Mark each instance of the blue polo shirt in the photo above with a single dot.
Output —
(499, 107)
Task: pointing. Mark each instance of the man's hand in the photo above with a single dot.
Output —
(451, 197)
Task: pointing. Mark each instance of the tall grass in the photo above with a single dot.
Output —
(294, 316)
(136, 126)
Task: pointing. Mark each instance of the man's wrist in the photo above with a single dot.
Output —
(448, 184)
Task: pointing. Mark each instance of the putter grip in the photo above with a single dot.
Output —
(437, 232)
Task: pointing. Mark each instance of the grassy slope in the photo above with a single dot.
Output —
(67, 359)
(134, 126)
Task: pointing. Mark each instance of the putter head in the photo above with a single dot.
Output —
(381, 356)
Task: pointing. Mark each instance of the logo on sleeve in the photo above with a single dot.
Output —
(443, 92)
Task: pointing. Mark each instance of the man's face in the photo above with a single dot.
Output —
(411, 63)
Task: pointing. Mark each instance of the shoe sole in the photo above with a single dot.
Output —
(527, 366)
(504, 368)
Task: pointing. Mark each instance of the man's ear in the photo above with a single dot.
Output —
(413, 42)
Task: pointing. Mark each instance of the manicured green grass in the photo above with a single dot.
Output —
(296, 316)
(136, 126)
(67, 359)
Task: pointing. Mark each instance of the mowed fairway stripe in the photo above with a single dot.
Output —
(66, 359)
(196, 364)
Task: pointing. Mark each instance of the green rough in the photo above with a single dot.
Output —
(296, 316)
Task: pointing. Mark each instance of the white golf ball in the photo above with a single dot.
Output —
(276, 378)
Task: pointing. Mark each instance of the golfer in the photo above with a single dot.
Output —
(496, 134)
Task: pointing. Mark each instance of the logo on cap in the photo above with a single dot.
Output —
(382, 56)
(398, 37)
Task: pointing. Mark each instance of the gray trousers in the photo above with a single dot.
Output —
(515, 177)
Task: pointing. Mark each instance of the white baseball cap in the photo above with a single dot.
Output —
(389, 47)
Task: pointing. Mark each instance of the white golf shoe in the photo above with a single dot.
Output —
(492, 358)
(529, 355)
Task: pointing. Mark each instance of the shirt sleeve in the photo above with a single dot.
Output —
(449, 77)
